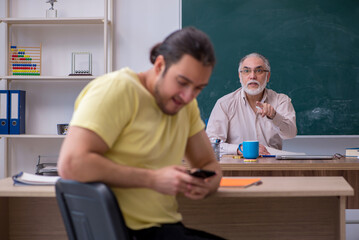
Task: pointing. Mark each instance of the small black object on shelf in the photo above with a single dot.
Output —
(62, 129)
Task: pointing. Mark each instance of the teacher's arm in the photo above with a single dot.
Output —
(217, 128)
(285, 119)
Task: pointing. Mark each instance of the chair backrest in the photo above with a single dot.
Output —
(90, 211)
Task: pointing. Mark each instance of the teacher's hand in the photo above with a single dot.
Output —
(265, 109)
(263, 150)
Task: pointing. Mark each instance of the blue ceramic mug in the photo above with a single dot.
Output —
(250, 149)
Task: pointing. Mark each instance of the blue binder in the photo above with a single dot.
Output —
(4, 112)
(17, 111)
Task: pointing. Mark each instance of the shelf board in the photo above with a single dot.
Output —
(49, 77)
(31, 136)
(53, 20)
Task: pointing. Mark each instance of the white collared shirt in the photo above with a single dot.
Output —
(233, 121)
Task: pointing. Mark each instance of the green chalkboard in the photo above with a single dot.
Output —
(312, 45)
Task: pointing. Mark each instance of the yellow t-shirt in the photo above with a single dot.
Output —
(125, 115)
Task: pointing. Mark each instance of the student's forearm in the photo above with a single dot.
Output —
(93, 167)
(169, 180)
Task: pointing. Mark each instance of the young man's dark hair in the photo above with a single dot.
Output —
(189, 41)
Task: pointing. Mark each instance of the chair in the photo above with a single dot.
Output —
(90, 211)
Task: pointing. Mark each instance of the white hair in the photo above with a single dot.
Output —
(265, 60)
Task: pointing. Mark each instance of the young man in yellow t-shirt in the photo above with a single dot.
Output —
(132, 130)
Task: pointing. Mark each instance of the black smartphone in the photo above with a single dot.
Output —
(202, 173)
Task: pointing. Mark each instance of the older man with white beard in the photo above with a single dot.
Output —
(252, 112)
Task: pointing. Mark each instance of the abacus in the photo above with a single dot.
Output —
(24, 60)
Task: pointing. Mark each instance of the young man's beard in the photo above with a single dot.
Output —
(160, 99)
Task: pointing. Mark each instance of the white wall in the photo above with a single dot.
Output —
(2, 40)
(2, 86)
(139, 24)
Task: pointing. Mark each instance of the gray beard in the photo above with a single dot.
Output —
(254, 92)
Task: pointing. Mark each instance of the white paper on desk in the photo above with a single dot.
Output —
(274, 151)
(32, 179)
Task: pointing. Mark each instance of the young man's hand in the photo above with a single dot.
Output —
(173, 180)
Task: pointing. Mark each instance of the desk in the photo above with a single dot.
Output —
(29, 212)
(280, 208)
(345, 167)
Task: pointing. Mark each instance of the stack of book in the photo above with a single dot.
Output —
(24, 178)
